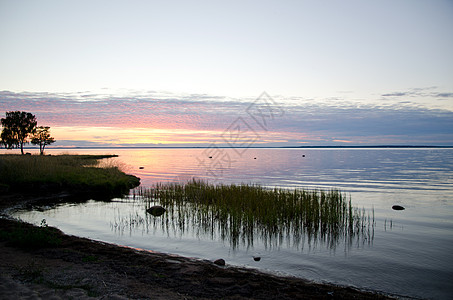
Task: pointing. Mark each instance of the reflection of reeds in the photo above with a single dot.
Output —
(242, 213)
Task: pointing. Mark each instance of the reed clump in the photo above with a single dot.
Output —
(76, 172)
(240, 213)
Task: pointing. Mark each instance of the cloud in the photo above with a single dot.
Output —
(188, 111)
(372, 120)
(163, 118)
(445, 95)
(420, 92)
(396, 94)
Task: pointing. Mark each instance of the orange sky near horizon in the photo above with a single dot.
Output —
(171, 136)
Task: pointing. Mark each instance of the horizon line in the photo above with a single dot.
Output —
(251, 147)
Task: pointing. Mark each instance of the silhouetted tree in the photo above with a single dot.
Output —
(17, 126)
(42, 138)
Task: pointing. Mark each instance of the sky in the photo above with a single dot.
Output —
(231, 73)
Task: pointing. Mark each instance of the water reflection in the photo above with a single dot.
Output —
(291, 218)
(410, 252)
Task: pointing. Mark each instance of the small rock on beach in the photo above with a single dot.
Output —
(220, 262)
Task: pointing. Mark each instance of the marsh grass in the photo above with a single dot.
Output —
(29, 172)
(241, 213)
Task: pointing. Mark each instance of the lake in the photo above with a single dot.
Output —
(406, 253)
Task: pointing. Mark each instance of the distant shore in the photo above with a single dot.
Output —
(63, 148)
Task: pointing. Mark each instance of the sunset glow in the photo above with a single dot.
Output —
(150, 73)
(187, 120)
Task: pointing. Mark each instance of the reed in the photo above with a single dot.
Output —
(240, 213)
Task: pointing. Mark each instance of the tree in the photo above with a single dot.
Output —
(17, 126)
(42, 138)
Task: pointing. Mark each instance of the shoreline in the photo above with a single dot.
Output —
(98, 270)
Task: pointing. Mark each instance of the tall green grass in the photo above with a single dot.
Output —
(241, 213)
(31, 172)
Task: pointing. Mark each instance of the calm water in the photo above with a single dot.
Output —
(407, 253)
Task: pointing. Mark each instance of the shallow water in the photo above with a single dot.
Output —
(406, 252)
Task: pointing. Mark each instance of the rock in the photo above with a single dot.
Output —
(256, 258)
(398, 207)
(141, 168)
(156, 210)
(220, 262)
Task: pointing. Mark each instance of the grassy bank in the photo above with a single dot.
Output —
(76, 173)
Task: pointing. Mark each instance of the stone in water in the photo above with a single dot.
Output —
(398, 207)
(156, 210)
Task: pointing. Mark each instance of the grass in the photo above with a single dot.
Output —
(240, 213)
(31, 237)
(76, 172)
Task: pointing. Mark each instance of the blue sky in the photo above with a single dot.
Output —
(359, 72)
